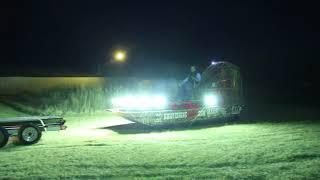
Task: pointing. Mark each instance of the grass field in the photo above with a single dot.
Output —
(236, 151)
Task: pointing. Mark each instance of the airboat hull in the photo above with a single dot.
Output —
(167, 117)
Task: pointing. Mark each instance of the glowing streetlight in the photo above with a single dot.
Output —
(120, 56)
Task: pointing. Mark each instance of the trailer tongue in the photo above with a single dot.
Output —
(28, 129)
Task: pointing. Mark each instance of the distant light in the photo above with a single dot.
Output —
(213, 63)
(120, 56)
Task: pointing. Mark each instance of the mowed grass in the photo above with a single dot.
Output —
(238, 151)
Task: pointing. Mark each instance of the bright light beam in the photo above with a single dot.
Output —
(211, 100)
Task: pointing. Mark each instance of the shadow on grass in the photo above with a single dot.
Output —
(280, 113)
(137, 128)
(212, 165)
(11, 146)
(14, 145)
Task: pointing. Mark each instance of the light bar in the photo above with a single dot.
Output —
(140, 102)
(211, 100)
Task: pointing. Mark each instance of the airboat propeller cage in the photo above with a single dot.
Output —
(218, 95)
(223, 78)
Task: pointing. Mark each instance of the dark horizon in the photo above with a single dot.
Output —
(275, 41)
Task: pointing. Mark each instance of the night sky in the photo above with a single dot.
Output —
(271, 41)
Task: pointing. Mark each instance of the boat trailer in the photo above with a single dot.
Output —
(28, 129)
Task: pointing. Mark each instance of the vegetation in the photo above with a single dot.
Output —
(61, 101)
(91, 149)
(6, 111)
(240, 151)
(75, 100)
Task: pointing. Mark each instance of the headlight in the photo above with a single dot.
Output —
(140, 102)
(210, 100)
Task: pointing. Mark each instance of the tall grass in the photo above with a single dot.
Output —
(63, 101)
(80, 99)
(76, 100)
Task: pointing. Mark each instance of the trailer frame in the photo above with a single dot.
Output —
(29, 129)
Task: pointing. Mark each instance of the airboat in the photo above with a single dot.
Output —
(218, 95)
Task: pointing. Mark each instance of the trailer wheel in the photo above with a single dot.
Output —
(29, 134)
(4, 137)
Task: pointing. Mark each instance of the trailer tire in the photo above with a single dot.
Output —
(29, 134)
(4, 137)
